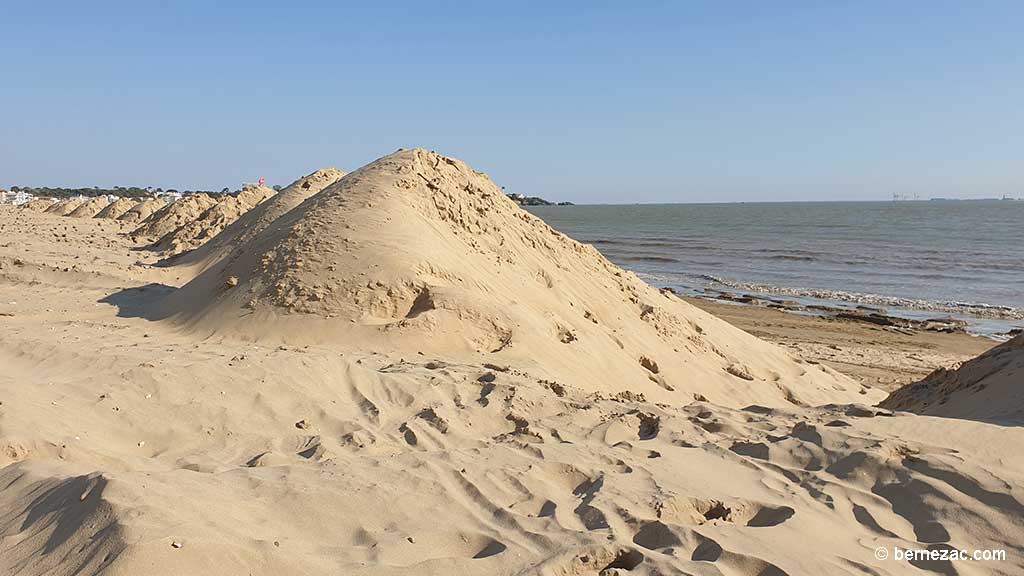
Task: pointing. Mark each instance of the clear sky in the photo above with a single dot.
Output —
(585, 101)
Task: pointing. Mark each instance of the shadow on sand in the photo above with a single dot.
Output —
(984, 389)
(140, 302)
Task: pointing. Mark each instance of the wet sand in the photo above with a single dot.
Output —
(874, 355)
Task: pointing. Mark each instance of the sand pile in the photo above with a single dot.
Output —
(90, 208)
(37, 205)
(252, 196)
(989, 388)
(64, 207)
(417, 252)
(173, 216)
(256, 220)
(117, 208)
(193, 234)
(142, 211)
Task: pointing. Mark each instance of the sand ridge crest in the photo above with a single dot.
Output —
(142, 211)
(249, 224)
(38, 204)
(117, 208)
(90, 208)
(64, 207)
(212, 221)
(173, 216)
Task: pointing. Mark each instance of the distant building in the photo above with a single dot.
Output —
(169, 196)
(16, 198)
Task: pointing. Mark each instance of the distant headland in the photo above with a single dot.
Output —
(535, 201)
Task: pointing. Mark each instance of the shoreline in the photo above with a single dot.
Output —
(871, 354)
(978, 310)
(995, 322)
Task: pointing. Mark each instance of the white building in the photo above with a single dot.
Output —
(16, 198)
(169, 196)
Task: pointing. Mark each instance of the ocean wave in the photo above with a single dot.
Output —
(680, 244)
(978, 309)
(792, 257)
(647, 258)
(789, 251)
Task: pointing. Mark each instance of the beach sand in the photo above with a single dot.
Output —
(300, 408)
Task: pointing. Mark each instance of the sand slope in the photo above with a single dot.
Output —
(211, 222)
(417, 252)
(64, 207)
(250, 224)
(90, 208)
(142, 211)
(37, 205)
(117, 208)
(989, 388)
(173, 216)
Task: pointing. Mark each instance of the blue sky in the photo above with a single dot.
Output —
(589, 101)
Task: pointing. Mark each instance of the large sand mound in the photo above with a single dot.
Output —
(65, 207)
(249, 225)
(117, 208)
(90, 208)
(417, 252)
(211, 222)
(173, 216)
(142, 211)
(989, 387)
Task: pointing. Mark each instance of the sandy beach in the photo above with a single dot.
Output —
(871, 354)
(399, 371)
